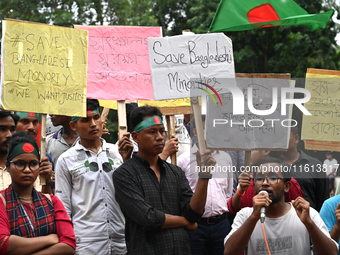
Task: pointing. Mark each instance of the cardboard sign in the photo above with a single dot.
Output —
(44, 68)
(180, 65)
(321, 130)
(249, 131)
(119, 66)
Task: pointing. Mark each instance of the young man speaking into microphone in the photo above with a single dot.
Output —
(288, 228)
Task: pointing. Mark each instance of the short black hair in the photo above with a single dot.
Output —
(21, 137)
(4, 114)
(285, 170)
(328, 153)
(92, 104)
(129, 108)
(137, 115)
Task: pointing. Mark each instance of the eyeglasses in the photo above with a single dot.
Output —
(270, 180)
(20, 165)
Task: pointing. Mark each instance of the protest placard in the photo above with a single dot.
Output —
(321, 130)
(119, 66)
(228, 131)
(44, 68)
(180, 64)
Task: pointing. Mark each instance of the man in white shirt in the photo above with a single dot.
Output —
(331, 165)
(289, 228)
(84, 185)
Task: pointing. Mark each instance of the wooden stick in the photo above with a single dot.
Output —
(104, 115)
(170, 122)
(198, 124)
(122, 125)
(43, 144)
(247, 158)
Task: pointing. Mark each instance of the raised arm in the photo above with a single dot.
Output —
(244, 227)
(244, 182)
(322, 243)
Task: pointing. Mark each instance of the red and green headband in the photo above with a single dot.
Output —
(88, 111)
(156, 120)
(22, 148)
(29, 114)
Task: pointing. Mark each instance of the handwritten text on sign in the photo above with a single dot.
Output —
(324, 105)
(44, 68)
(119, 66)
(176, 60)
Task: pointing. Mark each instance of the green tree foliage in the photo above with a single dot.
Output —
(278, 49)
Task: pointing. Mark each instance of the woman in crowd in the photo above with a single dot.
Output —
(31, 222)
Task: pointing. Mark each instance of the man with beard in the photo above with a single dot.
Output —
(7, 128)
(290, 228)
(29, 122)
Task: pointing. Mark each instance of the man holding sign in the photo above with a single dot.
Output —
(84, 185)
(156, 199)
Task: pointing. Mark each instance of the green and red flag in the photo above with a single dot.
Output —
(237, 15)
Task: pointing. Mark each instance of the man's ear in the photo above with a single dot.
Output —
(296, 138)
(73, 126)
(287, 186)
(266, 153)
(135, 136)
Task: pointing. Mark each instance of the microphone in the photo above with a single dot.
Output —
(263, 209)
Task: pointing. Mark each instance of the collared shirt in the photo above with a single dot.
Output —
(56, 144)
(5, 178)
(145, 201)
(314, 184)
(84, 185)
(219, 189)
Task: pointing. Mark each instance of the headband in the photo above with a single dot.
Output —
(22, 148)
(29, 114)
(148, 123)
(88, 111)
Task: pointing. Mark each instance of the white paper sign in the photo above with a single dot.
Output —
(179, 64)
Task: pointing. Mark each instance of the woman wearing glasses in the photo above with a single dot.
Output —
(31, 222)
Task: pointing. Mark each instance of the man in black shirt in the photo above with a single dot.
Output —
(155, 197)
(308, 171)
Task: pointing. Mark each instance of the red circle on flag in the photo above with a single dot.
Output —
(156, 120)
(32, 114)
(28, 148)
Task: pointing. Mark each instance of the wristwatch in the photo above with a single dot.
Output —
(204, 175)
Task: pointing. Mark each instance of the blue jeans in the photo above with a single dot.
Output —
(209, 239)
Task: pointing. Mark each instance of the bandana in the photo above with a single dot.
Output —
(29, 114)
(88, 111)
(22, 148)
(148, 123)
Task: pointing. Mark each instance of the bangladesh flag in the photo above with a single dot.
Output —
(237, 15)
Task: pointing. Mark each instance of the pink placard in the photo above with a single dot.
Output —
(118, 62)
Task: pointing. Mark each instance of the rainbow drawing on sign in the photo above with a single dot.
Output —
(213, 90)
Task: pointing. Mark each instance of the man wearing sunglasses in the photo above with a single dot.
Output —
(290, 228)
(84, 185)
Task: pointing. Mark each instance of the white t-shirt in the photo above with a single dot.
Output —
(286, 235)
(331, 164)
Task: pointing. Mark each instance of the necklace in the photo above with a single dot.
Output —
(26, 198)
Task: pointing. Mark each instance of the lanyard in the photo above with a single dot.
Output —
(28, 218)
